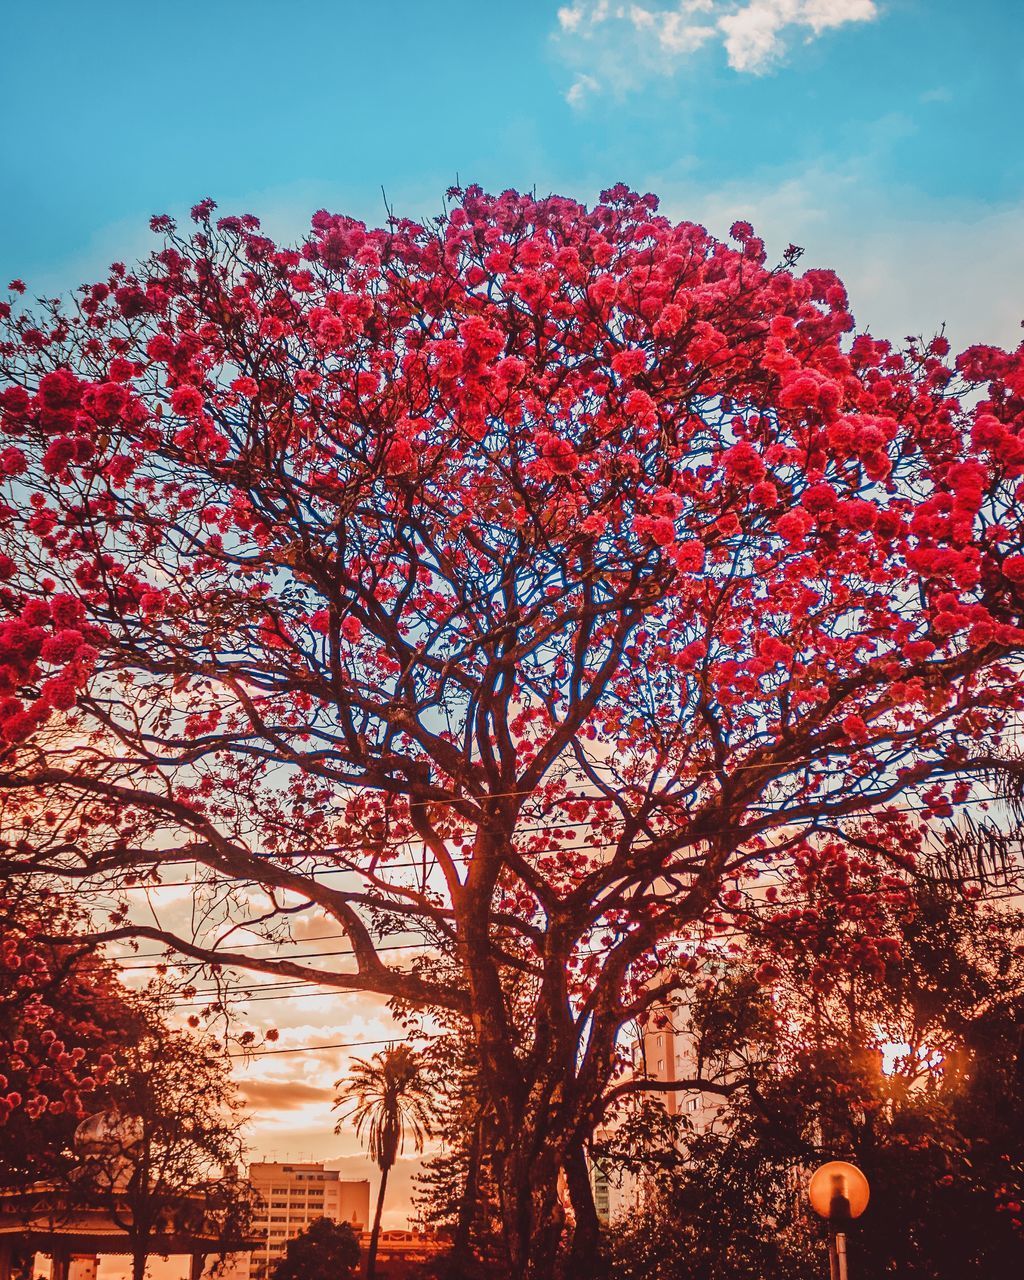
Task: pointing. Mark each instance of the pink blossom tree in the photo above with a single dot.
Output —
(523, 579)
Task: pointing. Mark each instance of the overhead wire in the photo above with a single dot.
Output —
(599, 797)
(417, 864)
(304, 955)
(257, 992)
(344, 1044)
(358, 1043)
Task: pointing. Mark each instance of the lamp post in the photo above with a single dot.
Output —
(839, 1192)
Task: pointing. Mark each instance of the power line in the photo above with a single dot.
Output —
(394, 1039)
(248, 946)
(318, 874)
(344, 1044)
(254, 994)
(250, 998)
(599, 797)
(303, 955)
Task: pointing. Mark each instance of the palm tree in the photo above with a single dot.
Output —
(390, 1101)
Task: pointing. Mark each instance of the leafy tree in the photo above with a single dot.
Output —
(176, 1120)
(520, 576)
(325, 1250)
(64, 1019)
(456, 1192)
(77, 1043)
(390, 1101)
(713, 1220)
(911, 1068)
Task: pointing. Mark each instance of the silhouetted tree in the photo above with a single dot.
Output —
(390, 1103)
(456, 1190)
(325, 1250)
(176, 1120)
(65, 1018)
(913, 1068)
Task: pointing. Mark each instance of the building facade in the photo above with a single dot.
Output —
(291, 1196)
(617, 1193)
(666, 1052)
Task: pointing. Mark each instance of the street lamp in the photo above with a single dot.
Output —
(839, 1192)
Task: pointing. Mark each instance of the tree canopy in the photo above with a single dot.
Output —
(521, 578)
(325, 1250)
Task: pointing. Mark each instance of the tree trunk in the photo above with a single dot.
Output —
(371, 1261)
(459, 1255)
(139, 1259)
(531, 1211)
(587, 1256)
(535, 1144)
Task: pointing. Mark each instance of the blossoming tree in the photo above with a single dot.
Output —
(63, 1019)
(521, 579)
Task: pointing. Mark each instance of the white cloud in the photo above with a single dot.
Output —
(622, 45)
(754, 34)
(912, 264)
(677, 36)
(822, 14)
(579, 90)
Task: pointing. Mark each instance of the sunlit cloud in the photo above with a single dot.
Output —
(283, 1095)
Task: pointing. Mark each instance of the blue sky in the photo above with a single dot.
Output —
(884, 135)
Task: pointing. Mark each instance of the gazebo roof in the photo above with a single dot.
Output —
(46, 1216)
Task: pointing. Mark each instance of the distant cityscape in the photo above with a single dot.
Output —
(290, 1195)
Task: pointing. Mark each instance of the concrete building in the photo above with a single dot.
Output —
(667, 1051)
(617, 1193)
(294, 1195)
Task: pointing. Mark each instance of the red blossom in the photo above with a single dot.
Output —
(744, 464)
(558, 453)
(12, 461)
(186, 400)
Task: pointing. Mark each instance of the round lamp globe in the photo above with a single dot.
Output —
(838, 1191)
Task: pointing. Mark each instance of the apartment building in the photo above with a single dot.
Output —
(665, 1052)
(294, 1195)
(617, 1193)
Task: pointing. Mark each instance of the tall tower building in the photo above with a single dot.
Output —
(667, 1052)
